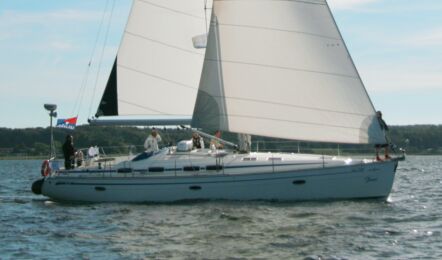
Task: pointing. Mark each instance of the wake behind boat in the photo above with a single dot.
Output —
(268, 68)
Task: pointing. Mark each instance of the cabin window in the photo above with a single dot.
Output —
(214, 167)
(124, 170)
(191, 168)
(156, 169)
(247, 159)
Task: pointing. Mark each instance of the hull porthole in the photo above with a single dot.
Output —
(298, 182)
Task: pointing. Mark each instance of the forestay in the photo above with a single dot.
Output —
(157, 69)
(281, 69)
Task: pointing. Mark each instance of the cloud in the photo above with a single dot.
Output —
(401, 76)
(349, 4)
(5, 35)
(383, 6)
(431, 37)
(17, 18)
(28, 26)
(62, 46)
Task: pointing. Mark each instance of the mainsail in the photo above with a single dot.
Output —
(157, 61)
(281, 69)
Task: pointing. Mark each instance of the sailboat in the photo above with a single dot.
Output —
(267, 68)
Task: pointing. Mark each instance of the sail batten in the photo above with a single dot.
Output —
(281, 69)
(165, 44)
(177, 11)
(281, 30)
(292, 105)
(158, 77)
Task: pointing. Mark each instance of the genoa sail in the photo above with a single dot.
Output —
(157, 61)
(281, 69)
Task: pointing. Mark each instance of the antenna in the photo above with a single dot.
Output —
(51, 108)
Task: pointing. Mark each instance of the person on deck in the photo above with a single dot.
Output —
(197, 141)
(79, 157)
(151, 143)
(245, 143)
(69, 152)
(385, 129)
(214, 143)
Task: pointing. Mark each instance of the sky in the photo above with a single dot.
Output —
(46, 46)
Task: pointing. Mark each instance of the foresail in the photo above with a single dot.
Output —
(109, 102)
(158, 69)
(281, 69)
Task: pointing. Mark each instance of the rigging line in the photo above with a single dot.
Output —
(80, 96)
(282, 67)
(170, 9)
(158, 77)
(280, 30)
(101, 55)
(162, 43)
(166, 137)
(349, 55)
(205, 17)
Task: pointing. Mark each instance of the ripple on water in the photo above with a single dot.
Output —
(231, 217)
(408, 226)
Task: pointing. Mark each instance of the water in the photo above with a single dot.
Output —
(408, 226)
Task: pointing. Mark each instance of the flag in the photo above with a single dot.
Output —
(68, 123)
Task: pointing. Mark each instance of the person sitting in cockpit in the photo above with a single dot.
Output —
(197, 141)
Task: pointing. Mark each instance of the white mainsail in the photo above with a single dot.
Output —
(281, 69)
(157, 61)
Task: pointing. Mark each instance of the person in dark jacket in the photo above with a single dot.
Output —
(69, 152)
(385, 129)
(197, 141)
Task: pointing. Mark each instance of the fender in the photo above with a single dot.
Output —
(45, 168)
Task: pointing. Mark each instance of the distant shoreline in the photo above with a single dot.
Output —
(30, 158)
(33, 143)
(21, 158)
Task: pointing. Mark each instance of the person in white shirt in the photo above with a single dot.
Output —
(214, 143)
(151, 143)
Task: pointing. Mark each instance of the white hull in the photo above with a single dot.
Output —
(289, 181)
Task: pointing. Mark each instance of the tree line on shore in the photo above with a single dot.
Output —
(417, 139)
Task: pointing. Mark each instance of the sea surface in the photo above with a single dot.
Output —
(406, 226)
